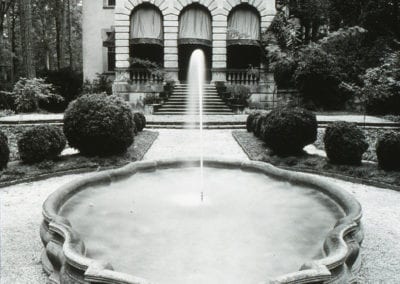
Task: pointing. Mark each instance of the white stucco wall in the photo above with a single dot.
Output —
(96, 21)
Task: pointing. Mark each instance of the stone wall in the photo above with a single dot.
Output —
(171, 9)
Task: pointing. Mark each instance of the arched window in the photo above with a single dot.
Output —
(146, 25)
(243, 44)
(195, 26)
(244, 25)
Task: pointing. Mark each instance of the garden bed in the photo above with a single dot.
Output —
(371, 134)
(367, 173)
(18, 172)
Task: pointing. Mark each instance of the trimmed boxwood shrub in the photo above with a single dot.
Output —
(100, 125)
(140, 121)
(259, 125)
(44, 142)
(388, 151)
(4, 151)
(250, 122)
(344, 143)
(287, 130)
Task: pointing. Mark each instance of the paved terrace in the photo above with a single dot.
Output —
(223, 121)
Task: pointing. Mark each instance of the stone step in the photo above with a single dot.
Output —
(193, 109)
(183, 126)
(177, 102)
(205, 96)
(205, 99)
(187, 93)
(193, 113)
(184, 104)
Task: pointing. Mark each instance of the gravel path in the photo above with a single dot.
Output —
(184, 143)
(20, 219)
(20, 209)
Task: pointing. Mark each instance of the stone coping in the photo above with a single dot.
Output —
(64, 257)
(369, 121)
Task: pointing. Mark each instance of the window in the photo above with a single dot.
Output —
(111, 59)
(107, 4)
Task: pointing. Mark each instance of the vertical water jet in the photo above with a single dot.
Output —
(196, 80)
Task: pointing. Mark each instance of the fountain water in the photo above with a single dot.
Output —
(196, 80)
(257, 222)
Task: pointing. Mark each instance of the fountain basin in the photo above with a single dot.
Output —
(307, 223)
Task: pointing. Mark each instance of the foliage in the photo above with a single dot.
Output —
(345, 13)
(44, 142)
(102, 84)
(239, 94)
(100, 125)
(284, 68)
(344, 143)
(6, 112)
(4, 151)
(312, 15)
(153, 68)
(28, 93)
(250, 125)
(347, 47)
(286, 31)
(151, 99)
(287, 130)
(317, 77)
(388, 151)
(259, 122)
(381, 88)
(140, 121)
(7, 100)
(66, 82)
(381, 17)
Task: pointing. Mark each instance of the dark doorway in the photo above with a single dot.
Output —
(185, 51)
(243, 56)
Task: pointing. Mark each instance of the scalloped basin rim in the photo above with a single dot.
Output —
(341, 247)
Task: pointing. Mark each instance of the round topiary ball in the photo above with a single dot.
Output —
(388, 151)
(99, 125)
(250, 120)
(44, 142)
(287, 130)
(4, 151)
(140, 121)
(259, 125)
(344, 143)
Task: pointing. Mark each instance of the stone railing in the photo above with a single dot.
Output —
(242, 77)
(142, 75)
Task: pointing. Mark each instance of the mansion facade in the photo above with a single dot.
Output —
(118, 33)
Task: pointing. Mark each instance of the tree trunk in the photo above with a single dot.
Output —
(69, 23)
(26, 38)
(60, 33)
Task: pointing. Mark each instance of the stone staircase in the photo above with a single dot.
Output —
(177, 102)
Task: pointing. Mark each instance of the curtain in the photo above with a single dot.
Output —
(146, 22)
(244, 24)
(195, 22)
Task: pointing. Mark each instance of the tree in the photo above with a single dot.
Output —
(312, 14)
(26, 38)
(382, 17)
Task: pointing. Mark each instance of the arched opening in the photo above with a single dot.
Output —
(243, 43)
(195, 32)
(146, 39)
